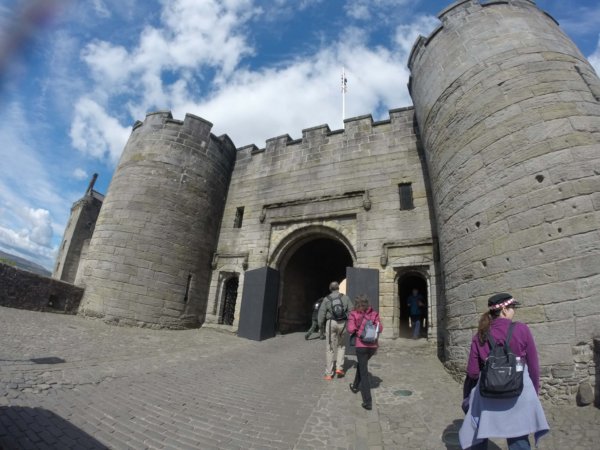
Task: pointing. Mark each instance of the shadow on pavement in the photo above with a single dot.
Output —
(450, 437)
(37, 428)
(375, 381)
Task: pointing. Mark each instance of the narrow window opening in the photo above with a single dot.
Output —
(64, 244)
(187, 288)
(406, 196)
(239, 217)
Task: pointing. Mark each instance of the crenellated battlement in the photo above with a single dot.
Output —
(457, 12)
(360, 124)
(191, 125)
(192, 128)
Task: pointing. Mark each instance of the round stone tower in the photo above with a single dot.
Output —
(509, 114)
(149, 257)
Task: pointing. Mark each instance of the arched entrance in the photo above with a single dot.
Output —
(306, 271)
(406, 283)
(230, 290)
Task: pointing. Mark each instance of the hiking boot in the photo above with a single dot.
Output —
(328, 377)
(367, 406)
(353, 388)
(306, 337)
(340, 373)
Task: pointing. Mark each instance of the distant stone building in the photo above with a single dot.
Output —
(78, 233)
(490, 183)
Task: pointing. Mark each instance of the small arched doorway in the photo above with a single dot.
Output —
(406, 283)
(306, 272)
(229, 296)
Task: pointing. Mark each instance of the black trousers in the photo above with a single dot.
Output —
(361, 379)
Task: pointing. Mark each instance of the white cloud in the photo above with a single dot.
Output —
(28, 203)
(110, 64)
(80, 174)
(97, 134)
(307, 92)
(39, 226)
(303, 4)
(193, 35)
(594, 58)
(101, 9)
(287, 98)
(368, 9)
(21, 244)
(406, 35)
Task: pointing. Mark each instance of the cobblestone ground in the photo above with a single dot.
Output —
(73, 383)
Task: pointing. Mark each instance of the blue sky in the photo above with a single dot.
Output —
(254, 68)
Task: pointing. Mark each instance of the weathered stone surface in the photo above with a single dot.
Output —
(500, 125)
(562, 371)
(585, 394)
(171, 194)
(501, 155)
(27, 290)
(553, 354)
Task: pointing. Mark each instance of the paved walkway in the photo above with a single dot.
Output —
(73, 383)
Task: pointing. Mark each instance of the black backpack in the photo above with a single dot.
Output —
(338, 311)
(502, 374)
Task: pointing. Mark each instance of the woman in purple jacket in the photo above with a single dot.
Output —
(510, 418)
(356, 323)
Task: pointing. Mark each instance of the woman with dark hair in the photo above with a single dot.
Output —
(357, 321)
(511, 418)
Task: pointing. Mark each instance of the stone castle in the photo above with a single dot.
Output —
(490, 183)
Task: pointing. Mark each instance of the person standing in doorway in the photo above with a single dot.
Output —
(416, 305)
(315, 322)
(333, 315)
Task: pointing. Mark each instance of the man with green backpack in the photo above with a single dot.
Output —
(333, 315)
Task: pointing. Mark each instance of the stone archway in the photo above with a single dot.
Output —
(307, 267)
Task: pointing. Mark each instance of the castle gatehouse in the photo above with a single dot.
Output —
(489, 183)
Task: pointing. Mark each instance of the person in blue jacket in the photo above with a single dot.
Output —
(416, 305)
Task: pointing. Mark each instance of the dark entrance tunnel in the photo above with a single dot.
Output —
(306, 278)
(406, 283)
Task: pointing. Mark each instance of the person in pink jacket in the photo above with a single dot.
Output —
(364, 350)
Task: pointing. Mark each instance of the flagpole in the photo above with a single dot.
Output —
(344, 89)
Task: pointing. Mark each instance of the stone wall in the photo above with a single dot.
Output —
(148, 262)
(341, 185)
(79, 230)
(510, 123)
(26, 290)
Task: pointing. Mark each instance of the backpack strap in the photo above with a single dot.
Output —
(508, 336)
(491, 342)
(510, 332)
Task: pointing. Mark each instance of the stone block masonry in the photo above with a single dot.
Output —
(148, 262)
(341, 185)
(489, 184)
(26, 290)
(509, 121)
